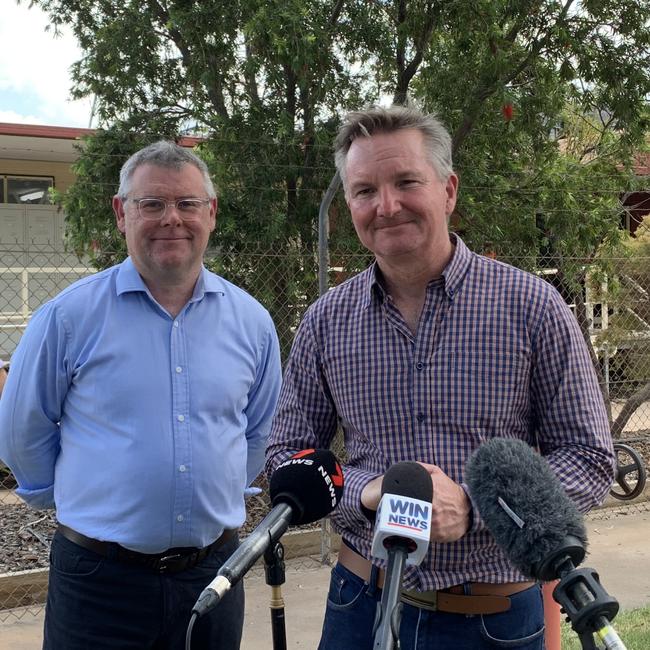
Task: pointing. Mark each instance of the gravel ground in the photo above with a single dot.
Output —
(26, 533)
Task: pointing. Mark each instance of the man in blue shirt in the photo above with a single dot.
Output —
(4, 371)
(138, 405)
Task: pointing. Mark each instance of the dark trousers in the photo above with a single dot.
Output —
(352, 603)
(97, 603)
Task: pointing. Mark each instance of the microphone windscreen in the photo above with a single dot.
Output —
(522, 503)
(311, 482)
(408, 479)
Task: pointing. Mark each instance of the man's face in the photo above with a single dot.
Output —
(170, 248)
(399, 206)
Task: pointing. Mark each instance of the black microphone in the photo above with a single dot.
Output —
(401, 536)
(531, 517)
(303, 489)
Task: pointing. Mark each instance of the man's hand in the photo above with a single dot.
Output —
(371, 494)
(450, 509)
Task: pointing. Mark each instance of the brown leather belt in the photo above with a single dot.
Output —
(485, 598)
(172, 560)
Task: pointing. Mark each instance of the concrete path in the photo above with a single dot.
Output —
(619, 551)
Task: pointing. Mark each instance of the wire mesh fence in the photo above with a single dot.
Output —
(610, 299)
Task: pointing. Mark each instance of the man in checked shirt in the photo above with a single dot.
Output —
(424, 356)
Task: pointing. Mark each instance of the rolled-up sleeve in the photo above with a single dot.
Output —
(262, 401)
(307, 418)
(31, 404)
(572, 423)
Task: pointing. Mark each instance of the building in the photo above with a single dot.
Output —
(34, 264)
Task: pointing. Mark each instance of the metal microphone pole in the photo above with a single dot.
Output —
(390, 609)
(275, 577)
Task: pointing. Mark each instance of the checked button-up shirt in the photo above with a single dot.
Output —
(497, 353)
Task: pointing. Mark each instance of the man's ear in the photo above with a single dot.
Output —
(214, 209)
(451, 189)
(118, 209)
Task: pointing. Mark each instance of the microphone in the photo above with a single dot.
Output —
(303, 489)
(530, 516)
(401, 537)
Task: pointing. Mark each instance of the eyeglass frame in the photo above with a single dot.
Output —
(174, 202)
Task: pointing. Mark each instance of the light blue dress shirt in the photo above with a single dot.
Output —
(141, 428)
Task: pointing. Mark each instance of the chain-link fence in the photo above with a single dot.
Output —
(610, 299)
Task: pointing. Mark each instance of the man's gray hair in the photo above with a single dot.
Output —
(163, 154)
(377, 119)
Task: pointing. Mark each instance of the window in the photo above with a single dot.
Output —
(25, 190)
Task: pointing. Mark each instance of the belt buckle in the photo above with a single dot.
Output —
(165, 561)
(430, 603)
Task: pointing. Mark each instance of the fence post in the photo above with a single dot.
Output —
(323, 285)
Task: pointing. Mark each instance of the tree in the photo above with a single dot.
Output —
(627, 337)
(266, 83)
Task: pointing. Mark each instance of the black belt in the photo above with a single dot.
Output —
(172, 560)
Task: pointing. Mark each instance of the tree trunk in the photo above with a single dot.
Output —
(632, 404)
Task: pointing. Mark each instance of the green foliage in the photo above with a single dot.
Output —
(546, 101)
(627, 295)
(632, 626)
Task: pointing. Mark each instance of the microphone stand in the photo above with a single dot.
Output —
(389, 613)
(275, 577)
(587, 605)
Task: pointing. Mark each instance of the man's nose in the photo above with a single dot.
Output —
(172, 215)
(388, 202)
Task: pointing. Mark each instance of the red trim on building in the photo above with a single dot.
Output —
(39, 131)
(67, 132)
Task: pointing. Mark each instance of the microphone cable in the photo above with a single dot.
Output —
(188, 634)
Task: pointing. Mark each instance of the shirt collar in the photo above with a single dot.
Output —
(453, 274)
(371, 285)
(128, 280)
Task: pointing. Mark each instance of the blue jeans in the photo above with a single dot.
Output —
(97, 603)
(352, 604)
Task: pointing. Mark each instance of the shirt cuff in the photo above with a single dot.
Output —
(351, 510)
(40, 499)
(475, 522)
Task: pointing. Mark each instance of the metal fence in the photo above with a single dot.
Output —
(612, 306)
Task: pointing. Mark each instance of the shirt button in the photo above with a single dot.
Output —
(419, 365)
(421, 417)
(179, 369)
(180, 518)
(181, 468)
(175, 323)
(181, 418)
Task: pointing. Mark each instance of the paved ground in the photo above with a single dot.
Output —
(619, 551)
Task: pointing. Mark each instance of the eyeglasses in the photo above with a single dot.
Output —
(154, 209)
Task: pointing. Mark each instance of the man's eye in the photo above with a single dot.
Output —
(188, 205)
(152, 205)
(364, 191)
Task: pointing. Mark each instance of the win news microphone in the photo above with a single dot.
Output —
(303, 489)
(401, 537)
(530, 516)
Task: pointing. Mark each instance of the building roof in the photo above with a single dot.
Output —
(49, 143)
